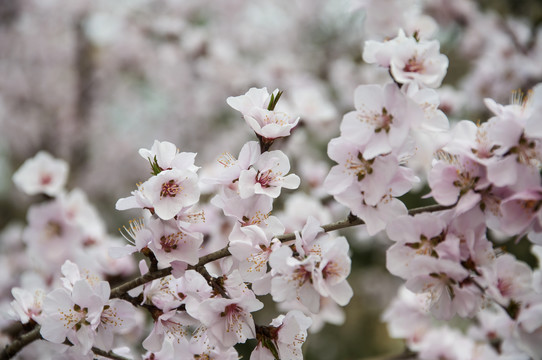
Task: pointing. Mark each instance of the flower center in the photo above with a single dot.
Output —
(53, 229)
(170, 242)
(46, 179)
(170, 188)
(359, 166)
(526, 152)
(265, 178)
(413, 65)
(301, 275)
(278, 118)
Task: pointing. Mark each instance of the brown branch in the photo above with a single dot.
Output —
(19, 343)
(351, 220)
(143, 279)
(108, 354)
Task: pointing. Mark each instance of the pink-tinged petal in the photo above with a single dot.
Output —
(153, 342)
(503, 172)
(247, 180)
(272, 191)
(274, 131)
(309, 297)
(261, 353)
(291, 181)
(441, 180)
(85, 337)
(377, 52)
(531, 318)
(184, 161)
(249, 154)
(368, 98)
(53, 330)
(356, 130)
(127, 203)
(254, 97)
(378, 145)
(341, 293)
(82, 293)
(403, 229)
(337, 180)
(505, 133)
(104, 338)
(57, 299)
(467, 202)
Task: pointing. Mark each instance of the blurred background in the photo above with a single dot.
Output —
(92, 81)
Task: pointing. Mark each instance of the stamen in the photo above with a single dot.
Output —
(170, 188)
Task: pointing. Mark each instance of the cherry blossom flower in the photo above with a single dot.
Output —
(372, 176)
(455, 177)
(172, 325)
(252, 249)
(330, 279)
(507, 279)
(267, 176)
(265, 122)
(382, 119)
(230, 320)
(166, 193)
(230, 167)
(407, 317)
(42, 174)
(166, 156)
(76, 315)
(28, 300)
(409, 59)
(292, 278)
(439, 279)
(171, 244)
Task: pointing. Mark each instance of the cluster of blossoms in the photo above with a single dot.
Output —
(387, 129)
(488, 175)
(198, 309)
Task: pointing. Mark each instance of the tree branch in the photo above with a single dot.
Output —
(350, 221)
(19, 343)
(108, 354)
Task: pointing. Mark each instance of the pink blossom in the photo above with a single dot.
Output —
(166, 193)
(382, 119)
(268, 176)
(409, 60)
(372, 176)
(230, 167)
(292, 278)
(230, 320)
(169, 243)
(507, 279)
(252, 249)
(266, 123)
(172, 325)
(167, 157)
(42, 174)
